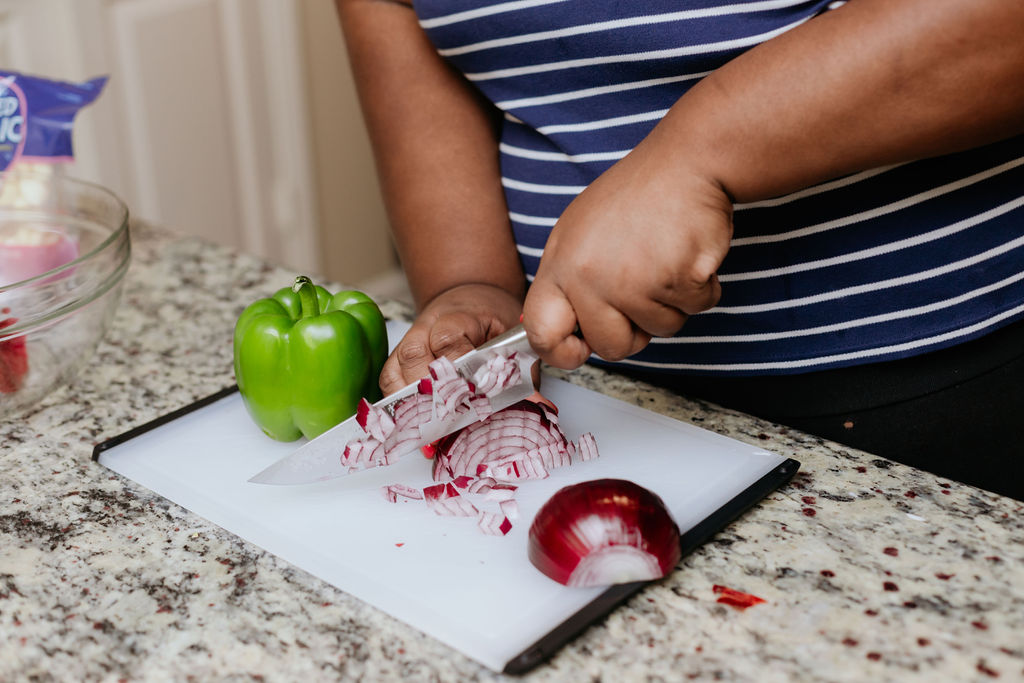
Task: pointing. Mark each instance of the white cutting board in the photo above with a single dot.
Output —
(479, 594)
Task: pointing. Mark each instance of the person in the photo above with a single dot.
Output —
(807, 210)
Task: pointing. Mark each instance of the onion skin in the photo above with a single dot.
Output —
(586, 518)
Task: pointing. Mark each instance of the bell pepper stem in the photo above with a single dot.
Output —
(307, 296)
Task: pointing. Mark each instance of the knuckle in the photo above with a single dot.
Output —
(448, 342)
(541, 338)
(702, 271)
(412, 352)
(613, 350)
(669, 323)
(389, 383)
(391, 377)
(566, 356)
(698, 292)
(623, 345)
(664, 329)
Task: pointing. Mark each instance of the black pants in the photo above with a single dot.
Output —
(958, 412)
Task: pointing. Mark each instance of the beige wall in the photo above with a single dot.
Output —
(353, 226)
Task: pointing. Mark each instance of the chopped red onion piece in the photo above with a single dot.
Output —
(362, 410)
(362, 453)
(444, 500)
(735, 598)
(481, 405)
(500, 492)
(493, 524)
(410, 414)
(442, 369)
(553, 455)
(496, 374)
(481, 485)
(484, 380)
(587, 447)
(431, 493)
(462, 481)
(516, 466)
(399, 441)
(392, 492)
(375, 421)
(451, 392)
(510, 508)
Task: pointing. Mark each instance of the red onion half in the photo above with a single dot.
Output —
(601, 532)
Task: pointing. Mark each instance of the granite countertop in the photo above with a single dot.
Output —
(869, 569)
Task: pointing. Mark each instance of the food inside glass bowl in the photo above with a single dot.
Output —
(26, 251)
(76, 234)
(30, 250)
(13, 359)
(64, 244)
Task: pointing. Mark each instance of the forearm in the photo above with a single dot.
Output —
(872, 83)
(437, 155)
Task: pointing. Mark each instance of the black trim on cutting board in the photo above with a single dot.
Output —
(689, 541)
(599, 607)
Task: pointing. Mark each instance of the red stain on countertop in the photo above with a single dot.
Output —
(735, 598)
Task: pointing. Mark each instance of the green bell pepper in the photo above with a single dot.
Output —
(304, 358)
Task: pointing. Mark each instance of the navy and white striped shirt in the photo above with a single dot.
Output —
(879, 265)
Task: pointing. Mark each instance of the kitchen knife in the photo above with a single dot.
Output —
(320, 459)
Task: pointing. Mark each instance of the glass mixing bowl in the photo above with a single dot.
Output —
(64, 250)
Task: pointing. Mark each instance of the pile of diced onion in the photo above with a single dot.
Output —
(478, 468)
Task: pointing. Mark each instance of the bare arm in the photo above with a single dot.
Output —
(871, 83)
(436, 150)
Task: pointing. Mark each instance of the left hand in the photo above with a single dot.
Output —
(631, 258)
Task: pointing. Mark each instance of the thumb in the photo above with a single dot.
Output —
(550, 323)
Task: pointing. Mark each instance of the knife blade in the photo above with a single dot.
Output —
(320, 458)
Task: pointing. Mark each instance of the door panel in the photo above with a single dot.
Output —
(188, 130)
(178, 129)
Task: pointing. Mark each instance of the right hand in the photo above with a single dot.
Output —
(453, 323)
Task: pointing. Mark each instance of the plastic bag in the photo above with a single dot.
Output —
(36, 115)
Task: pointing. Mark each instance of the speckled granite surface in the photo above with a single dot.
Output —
(870, 570)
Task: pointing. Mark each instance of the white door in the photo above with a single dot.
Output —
(202, 127)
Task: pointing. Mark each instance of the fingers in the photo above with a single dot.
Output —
(454, 335)
(450, 335)
(613, 326)
(655, 318)
(694, 295)
(609, 332)
(551, 321)
(412, 351)
(664, 313)
(453, 323)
